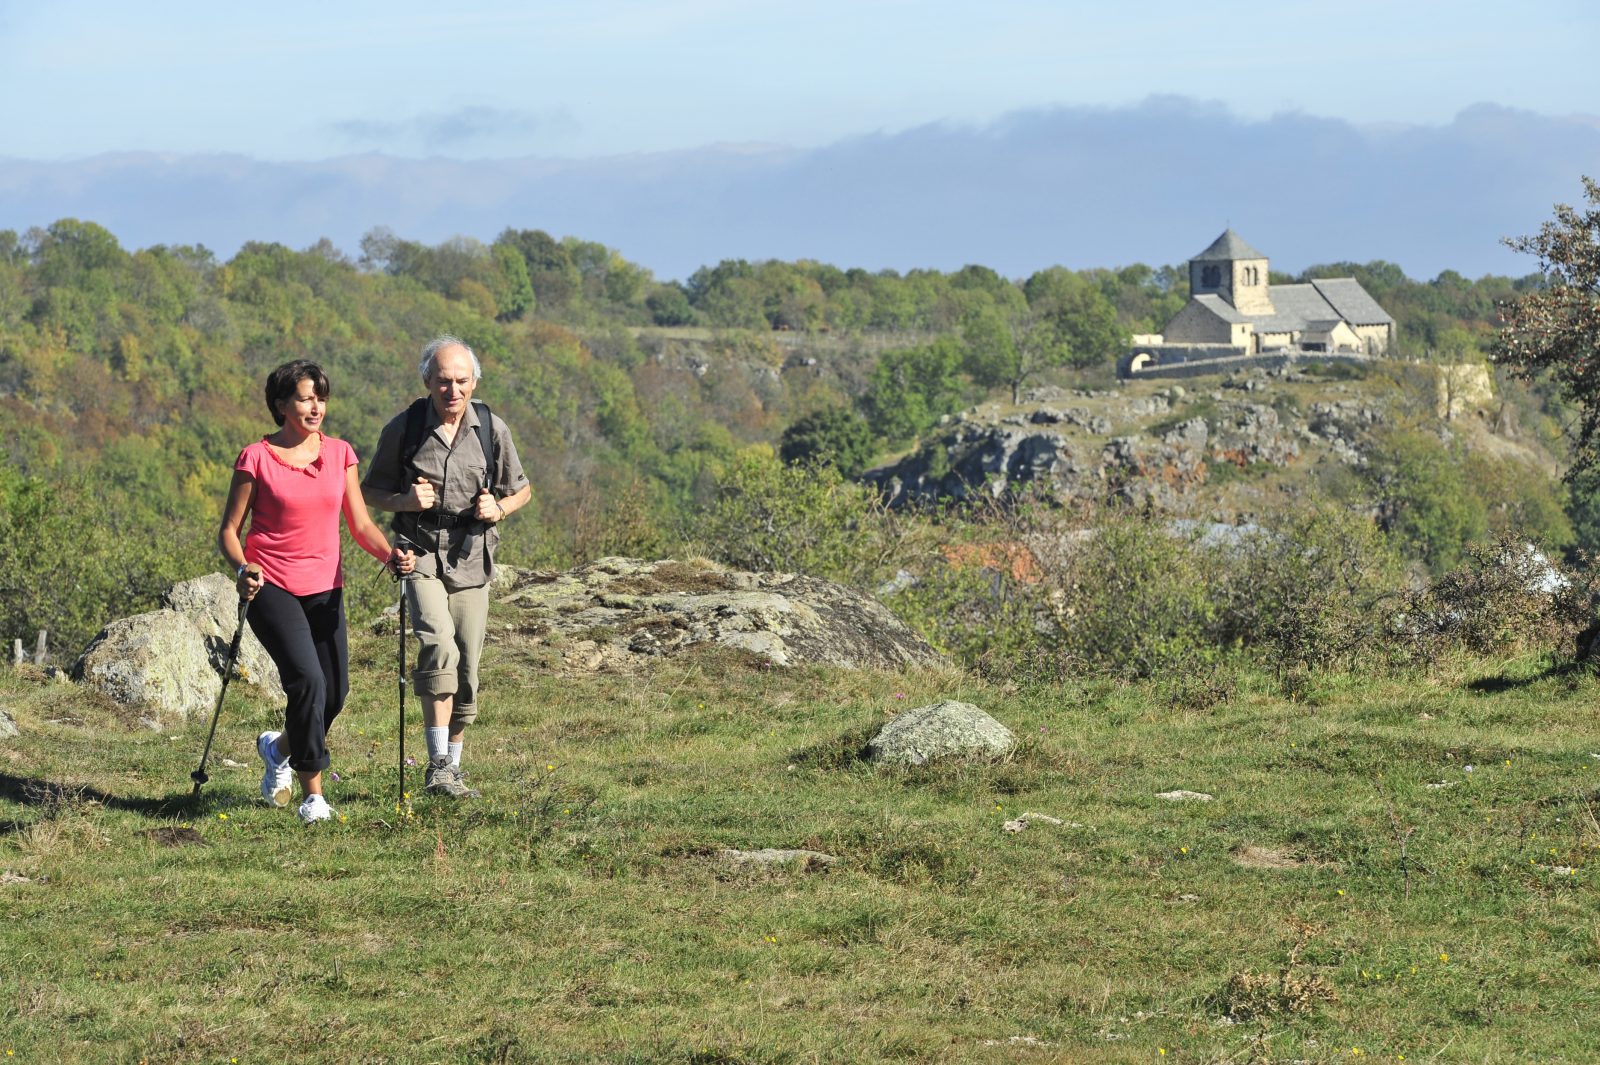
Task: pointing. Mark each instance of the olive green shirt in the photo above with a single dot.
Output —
(461, 555)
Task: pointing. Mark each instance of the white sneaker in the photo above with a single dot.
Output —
(277, 780)
(315, 808)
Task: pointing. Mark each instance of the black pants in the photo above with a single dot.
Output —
(305, 636)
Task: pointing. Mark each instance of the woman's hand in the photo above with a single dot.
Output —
(401, 562)
(249, 581)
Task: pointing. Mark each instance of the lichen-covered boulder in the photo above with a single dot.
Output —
(212, 604)
(8, 727)
(170, 661)
(157, 661)
(940, 730)
(621, 613)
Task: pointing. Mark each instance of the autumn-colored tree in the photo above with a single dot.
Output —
(1555, 330)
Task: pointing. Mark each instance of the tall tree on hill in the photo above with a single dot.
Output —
(1009, 349)
(1555, 330)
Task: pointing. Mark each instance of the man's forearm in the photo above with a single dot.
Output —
(393, 502)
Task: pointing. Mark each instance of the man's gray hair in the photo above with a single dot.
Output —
(430, 357)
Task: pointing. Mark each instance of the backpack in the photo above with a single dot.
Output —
(416, 425)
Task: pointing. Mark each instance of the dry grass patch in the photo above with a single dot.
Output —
(1250, 856)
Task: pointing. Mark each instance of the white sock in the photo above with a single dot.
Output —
(438, 742)
(455, 754)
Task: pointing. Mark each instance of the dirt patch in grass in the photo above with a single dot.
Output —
(1253, 857)
(175, 837)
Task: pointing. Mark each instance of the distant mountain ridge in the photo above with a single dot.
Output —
(1074, 186)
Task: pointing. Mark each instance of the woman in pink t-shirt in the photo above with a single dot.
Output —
(293, 485)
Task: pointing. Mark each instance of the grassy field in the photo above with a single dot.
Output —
(1390, 869)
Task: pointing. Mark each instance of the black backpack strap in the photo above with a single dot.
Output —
(486, 441)
(416, 428)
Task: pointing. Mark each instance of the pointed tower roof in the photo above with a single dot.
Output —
(1226, 249)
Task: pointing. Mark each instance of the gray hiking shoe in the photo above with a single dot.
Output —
(445, 779)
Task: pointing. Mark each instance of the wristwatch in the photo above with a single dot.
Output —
(240, 572)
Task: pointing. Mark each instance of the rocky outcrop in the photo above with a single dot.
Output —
(977, 460)
(621, 614)
(1157, 458)
(1249, 433)
(170, 661)
(940, 730)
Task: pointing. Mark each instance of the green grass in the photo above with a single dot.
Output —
(577, 912)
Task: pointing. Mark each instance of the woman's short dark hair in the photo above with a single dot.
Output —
(284, 382)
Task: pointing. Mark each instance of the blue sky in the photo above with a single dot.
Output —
(874, 133)
(297, 81)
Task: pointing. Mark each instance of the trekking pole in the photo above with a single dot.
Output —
(199, 775)
(401, 544)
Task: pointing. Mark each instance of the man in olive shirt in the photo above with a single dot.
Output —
(449, 504)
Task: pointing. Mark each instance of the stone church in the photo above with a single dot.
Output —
(1234, 317)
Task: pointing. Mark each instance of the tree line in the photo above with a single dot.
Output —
(129, 379)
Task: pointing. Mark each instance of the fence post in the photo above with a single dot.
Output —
(17, 657)
(41, 653)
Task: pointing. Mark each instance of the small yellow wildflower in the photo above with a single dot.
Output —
(549, 767)
(222, 817)
(1341, 891)
(1183, 850)
(1444, 957)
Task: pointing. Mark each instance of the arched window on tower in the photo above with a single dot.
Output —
(1210, 276)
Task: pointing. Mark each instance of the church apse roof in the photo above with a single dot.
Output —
(1226, 249)
(1354, 303)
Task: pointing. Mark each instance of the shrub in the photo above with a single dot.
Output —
(1134, 599)
(1312, 586)
(802, 519)
(1505, 597)
(1426, 501)
(836, 435)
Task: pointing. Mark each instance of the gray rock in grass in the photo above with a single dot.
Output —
(156, 660)
(770, 857)
(939, 730)
(170, 661)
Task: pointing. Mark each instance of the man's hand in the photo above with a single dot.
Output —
(488, 508)
(422, 495)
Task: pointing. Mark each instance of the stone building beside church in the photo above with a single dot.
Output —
(1235, 317)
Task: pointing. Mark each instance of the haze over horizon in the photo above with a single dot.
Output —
(885, 134)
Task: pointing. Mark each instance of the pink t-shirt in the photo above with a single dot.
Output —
(294, 521)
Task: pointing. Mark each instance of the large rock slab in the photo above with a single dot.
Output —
(170, 661)
(940, 730)
(157, 661)
(212, 604)
(621, 613)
